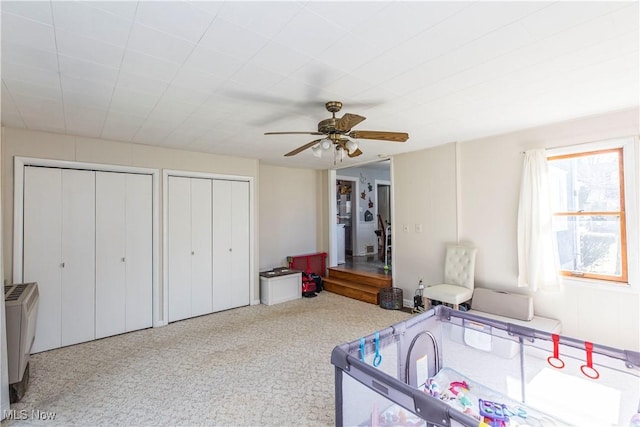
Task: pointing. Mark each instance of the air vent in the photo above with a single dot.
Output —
(369, 249)
(14, 293)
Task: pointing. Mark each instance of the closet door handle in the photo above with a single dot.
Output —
(62, 265)
(230, 250)
(193, 252)
(123, 259)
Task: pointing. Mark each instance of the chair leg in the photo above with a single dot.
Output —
(456, 307)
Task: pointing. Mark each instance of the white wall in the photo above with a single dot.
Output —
(423, 194)
(290, 220)
(486, 202)
(490, 183)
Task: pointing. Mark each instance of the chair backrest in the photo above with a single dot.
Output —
(460, 265)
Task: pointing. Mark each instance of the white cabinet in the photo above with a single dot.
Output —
(280, 286)
(190, 263)
(59, 242)
(87, 241)
(208, 245)
(123, 253)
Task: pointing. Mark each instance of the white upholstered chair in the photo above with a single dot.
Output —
(459, 269)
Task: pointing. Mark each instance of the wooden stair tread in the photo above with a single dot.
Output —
(371, 279)
(361, 285)
(360, 273)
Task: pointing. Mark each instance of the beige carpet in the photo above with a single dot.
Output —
(258, 366)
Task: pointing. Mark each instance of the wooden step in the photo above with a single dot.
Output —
(360, 285)
(363, 277)
(361, 292)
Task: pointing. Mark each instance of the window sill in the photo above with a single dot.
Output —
(599, 285)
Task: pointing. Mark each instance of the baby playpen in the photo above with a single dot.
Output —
(447, 367)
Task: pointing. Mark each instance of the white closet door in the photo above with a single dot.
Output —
(110, 253)
(179, 247)
(239, 287)
(222, 246)
(42, 262)
(201, 290)
(139, 251)
(78, 256)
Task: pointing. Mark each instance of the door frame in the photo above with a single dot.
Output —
(379, 182)
(19, 163)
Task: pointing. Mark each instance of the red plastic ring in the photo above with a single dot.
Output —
(551, 360)
(590, 369)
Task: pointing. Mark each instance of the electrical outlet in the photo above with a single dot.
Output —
(418, 228)
(405, 228)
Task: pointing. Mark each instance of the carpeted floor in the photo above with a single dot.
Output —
(252, 366)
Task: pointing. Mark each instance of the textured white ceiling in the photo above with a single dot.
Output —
(214, 76)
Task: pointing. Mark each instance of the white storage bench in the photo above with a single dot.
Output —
(280, 285)
(507, 307)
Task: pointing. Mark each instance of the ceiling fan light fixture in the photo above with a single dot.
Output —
(351, 146)
(336, 132)
(317, 150)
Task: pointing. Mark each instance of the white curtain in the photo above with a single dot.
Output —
(537, 266)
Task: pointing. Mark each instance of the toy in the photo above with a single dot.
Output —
(464, 401)
(432, 388)
(495, 414)
(377, 359)
(453, 387)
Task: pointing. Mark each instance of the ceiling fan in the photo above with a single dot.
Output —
(337, 133)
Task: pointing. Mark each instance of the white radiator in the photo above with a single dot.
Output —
(21, 303)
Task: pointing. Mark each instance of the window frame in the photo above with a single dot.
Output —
(623, 278)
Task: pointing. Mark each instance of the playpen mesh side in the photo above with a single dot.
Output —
(503, 361)
(598, 387)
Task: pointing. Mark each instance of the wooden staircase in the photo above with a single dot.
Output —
(360, 285)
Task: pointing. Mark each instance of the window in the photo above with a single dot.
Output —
(587, 191)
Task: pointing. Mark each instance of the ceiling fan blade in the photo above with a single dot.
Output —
(304, 147)
(385, 136)
(355, 153)
(294, 133)
(348, 121)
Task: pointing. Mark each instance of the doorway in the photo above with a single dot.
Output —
(367, 201)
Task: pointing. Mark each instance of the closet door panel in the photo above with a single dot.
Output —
(222, 245)
(139, 251)
(179, 247)
(110, 252)
(78, 256)
(42, 240)
(240, 244)
(201, 290)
